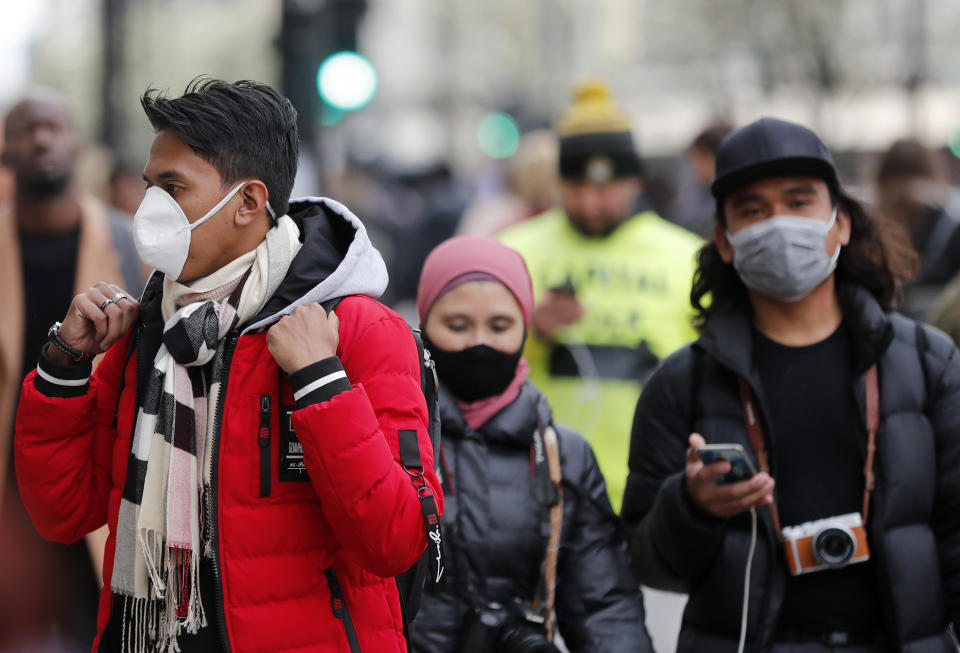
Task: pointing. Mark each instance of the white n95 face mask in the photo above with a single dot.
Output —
(784, 257)
(161, 230)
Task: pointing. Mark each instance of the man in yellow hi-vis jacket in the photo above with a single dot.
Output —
(612, 288)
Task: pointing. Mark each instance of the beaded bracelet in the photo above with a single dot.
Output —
(77, 356)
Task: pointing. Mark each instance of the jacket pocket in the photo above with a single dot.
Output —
(263, 442)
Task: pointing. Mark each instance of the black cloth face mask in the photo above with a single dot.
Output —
(475, 373)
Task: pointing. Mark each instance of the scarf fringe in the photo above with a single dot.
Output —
(138, 628)
(152, 549)
(154, 623)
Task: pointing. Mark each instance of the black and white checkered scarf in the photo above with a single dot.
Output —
(160, 535)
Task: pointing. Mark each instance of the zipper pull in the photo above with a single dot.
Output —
(264, 419)
(263, 440)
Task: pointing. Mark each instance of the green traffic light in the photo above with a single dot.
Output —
(346, 81)
(498, 135)
(954, 143)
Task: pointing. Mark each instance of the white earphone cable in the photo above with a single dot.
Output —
(746, 580)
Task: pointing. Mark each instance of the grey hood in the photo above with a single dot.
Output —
(337, 259)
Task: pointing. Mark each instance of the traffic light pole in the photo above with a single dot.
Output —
(113, 22)
(311, 30)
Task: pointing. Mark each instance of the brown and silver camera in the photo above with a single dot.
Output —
(826, 544)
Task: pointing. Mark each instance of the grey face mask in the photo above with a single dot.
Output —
(784, 257)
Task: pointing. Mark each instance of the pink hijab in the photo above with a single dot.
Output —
(471, 258)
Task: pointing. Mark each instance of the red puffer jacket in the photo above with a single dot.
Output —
(359, 514)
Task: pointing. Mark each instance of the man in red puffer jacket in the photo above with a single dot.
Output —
(242, 445)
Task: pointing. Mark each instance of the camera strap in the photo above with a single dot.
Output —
(545, 461)
(547, 490)
(751, 417)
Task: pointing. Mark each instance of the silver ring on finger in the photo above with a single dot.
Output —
(116, 298)
(106, 302)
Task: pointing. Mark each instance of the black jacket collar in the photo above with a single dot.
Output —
(514, 424)
(326, 238)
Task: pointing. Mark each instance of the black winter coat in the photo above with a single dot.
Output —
(494, 541)
(914, 523)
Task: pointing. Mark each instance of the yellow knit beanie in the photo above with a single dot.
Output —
(595, 138)
(593, 111)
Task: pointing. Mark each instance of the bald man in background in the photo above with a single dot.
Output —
(54, 240)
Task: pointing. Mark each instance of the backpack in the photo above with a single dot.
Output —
(411, 583)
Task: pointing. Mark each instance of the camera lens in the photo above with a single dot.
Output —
(525, 640)
(834, 546)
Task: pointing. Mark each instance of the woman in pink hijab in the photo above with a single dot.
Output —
(504, 507)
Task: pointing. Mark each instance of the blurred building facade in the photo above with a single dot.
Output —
(862, 72)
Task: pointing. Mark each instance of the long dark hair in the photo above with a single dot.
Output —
(879, 258)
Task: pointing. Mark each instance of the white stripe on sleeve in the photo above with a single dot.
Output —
(73, 383)
(319, 383)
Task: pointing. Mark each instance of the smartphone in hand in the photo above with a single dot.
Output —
(741, 468)
(566, 288)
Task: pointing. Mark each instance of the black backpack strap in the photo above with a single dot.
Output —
(413, 465)
(340, 610)
(430, 384)
(410, 583)
(410, 451)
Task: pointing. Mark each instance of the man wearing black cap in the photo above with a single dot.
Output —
(846, 534)
(611, 285)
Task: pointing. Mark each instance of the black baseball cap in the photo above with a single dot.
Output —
(770, 148)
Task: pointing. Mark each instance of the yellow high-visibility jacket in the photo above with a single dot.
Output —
(634, 285)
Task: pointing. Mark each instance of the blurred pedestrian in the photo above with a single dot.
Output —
(611, 288)
(826, 519)
(693, 206)
(532, 187)
(55, 241)
(241, 441)
(6, 177)
(517, 485)
(945, 312)
(434, 205)
(912, 189)
(125, 187)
